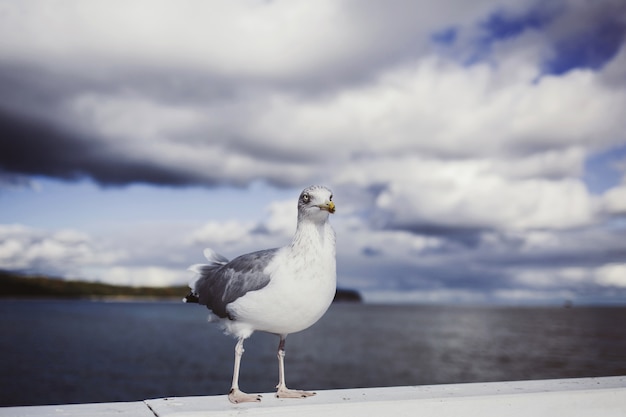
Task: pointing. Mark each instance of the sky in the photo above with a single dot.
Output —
(476, 150)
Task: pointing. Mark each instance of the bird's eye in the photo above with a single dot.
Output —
(331, 198)
(306, 198)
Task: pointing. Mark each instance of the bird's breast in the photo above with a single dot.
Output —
(302, 287)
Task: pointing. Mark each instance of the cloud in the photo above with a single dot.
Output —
(615, 200)
(142, 276)
(612, 275)
(62, 252)
(142, 253)
(277, 41)
(119, 139)
(220, 233)
(425, 194)
(183, 125)
(114, 259)
(486, 266)
(429, 107)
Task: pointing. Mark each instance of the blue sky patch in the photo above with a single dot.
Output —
(602, 170)
(501, 26)
(446, 36)
(589, 49)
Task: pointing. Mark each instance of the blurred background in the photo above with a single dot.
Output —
(476, 150)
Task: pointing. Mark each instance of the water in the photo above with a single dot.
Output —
(54, 352)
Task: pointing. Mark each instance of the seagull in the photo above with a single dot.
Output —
(278, 291)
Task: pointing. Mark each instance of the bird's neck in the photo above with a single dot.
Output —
(314, 237)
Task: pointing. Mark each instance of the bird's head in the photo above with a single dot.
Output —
(315, 202)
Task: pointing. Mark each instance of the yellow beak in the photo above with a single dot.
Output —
(329, 207)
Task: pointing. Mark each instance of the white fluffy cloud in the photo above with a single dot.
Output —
(471, 194)
(252, 40)
(607, 275)
(154, 276)
(139, 254)
(612, 275)
(62, 252)
(213, 233)
(430, 107)
(615, 200)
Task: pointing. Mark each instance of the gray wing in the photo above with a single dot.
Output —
(219, 285)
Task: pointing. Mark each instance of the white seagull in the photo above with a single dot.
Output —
(278, 291)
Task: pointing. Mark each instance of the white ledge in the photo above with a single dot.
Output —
(604, 396)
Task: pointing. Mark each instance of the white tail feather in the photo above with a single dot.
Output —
(195, 268)
(214, 257)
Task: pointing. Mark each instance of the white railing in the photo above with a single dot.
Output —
(605, 397)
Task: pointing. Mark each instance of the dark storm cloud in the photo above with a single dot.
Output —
(37, 148)
(40, 134)
(32, 142)
(28, 87)
(32, 147)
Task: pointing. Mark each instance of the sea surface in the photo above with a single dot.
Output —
(56, 352)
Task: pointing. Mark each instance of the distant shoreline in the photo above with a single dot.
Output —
(18, 286)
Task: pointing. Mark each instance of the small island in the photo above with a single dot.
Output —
(347, 296)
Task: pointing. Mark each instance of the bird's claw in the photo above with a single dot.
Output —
(236, 396)
(284, 392)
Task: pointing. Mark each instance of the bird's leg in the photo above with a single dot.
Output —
(235, 395)
(283, 391)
